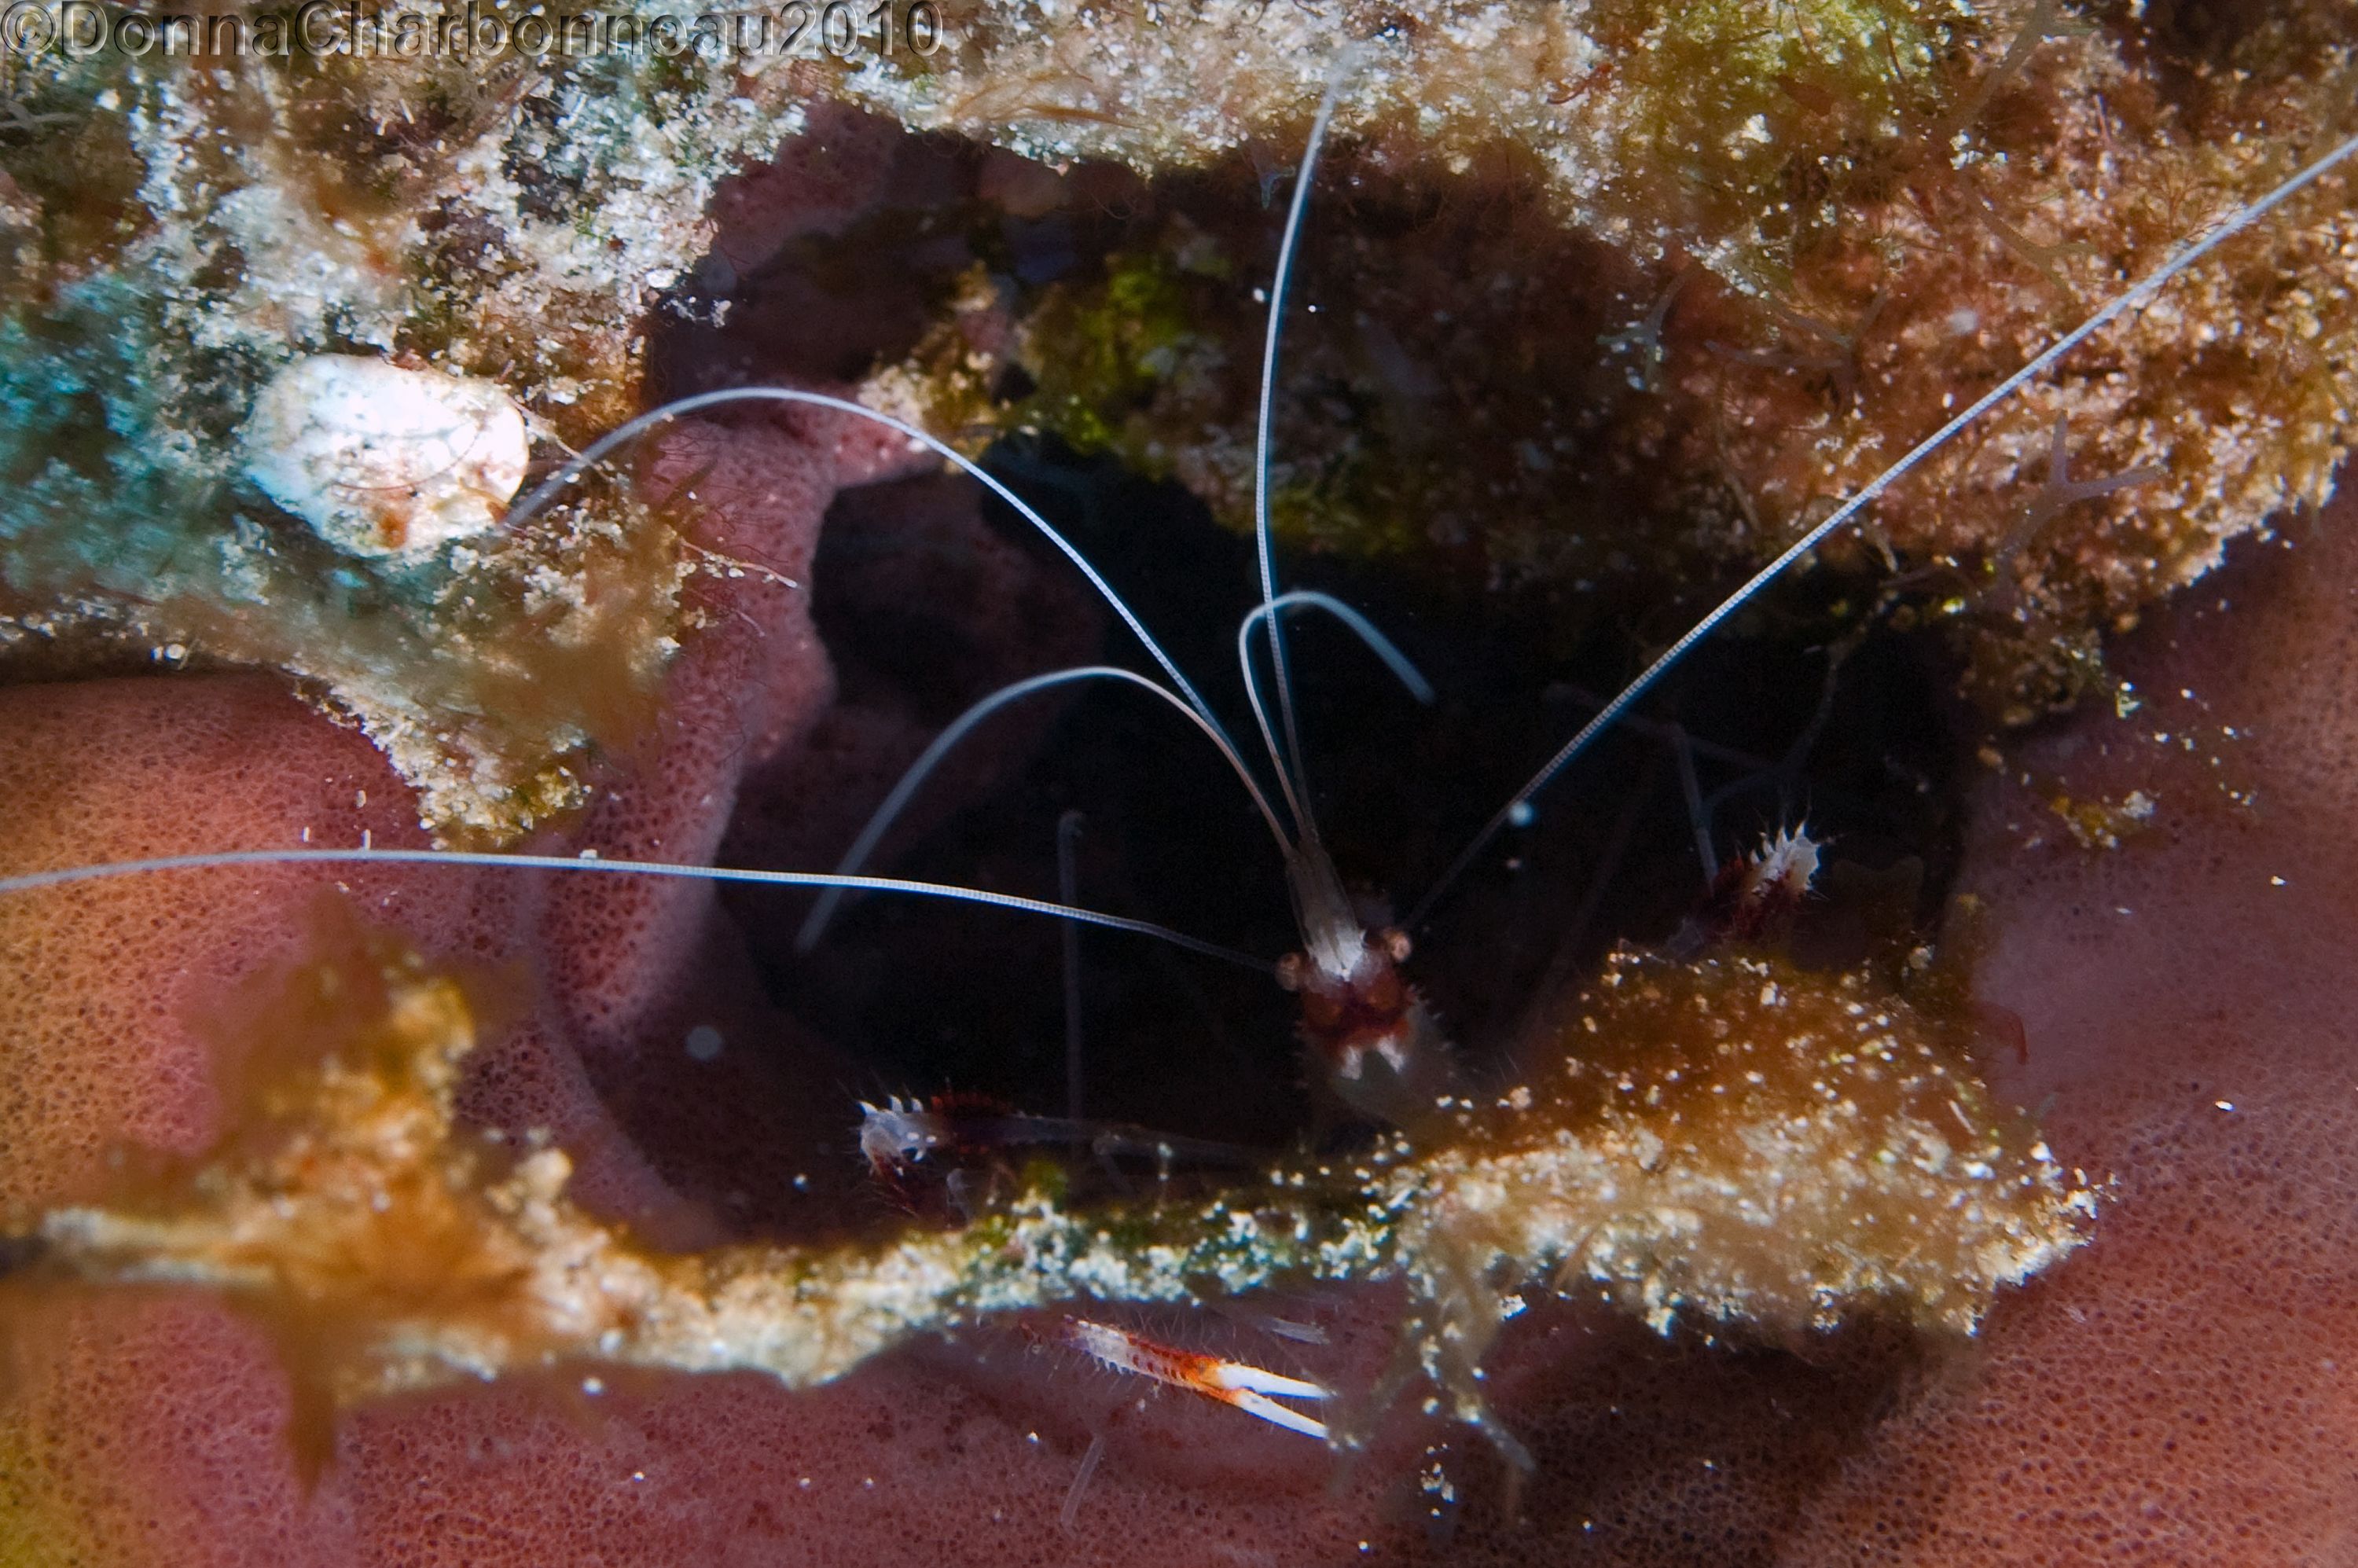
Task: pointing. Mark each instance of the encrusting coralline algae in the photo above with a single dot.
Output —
(202, 224)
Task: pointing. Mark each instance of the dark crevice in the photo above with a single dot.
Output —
(943, 995)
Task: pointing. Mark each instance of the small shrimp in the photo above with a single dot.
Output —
(1757, 894)
(1252, 1389)
(901, 1133)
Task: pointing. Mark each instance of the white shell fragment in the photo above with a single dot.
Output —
(384, 461)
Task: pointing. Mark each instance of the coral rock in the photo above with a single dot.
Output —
(382, 460)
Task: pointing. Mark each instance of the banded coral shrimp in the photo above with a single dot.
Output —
(1528, 1248)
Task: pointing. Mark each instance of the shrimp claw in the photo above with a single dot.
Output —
(1248, 1388)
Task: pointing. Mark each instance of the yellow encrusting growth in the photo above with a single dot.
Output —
(1737, 1139)
(1734, 1140)
(1729, 1140)
(393, 1248)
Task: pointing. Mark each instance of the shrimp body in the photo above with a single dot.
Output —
(898, 1132)
(1252, 1389)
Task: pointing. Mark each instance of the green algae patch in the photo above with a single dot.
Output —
(1103, 356)
(1159, 350)
(187, 228)
(492, 671)
(1725, 116)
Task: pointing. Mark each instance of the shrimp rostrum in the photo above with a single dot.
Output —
(1721, 1138)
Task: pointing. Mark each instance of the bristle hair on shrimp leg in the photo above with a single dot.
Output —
(1068, 1516)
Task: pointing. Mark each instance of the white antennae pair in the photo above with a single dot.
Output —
(1321, 907)
(1313, 879)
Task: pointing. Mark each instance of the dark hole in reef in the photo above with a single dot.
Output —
(832, 298)
(1635, 1434)
(928, 997)
(937, 996)
(2206, 54)
(2196, 34)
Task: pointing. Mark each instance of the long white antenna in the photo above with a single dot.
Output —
(1289, 776)
(2137, 295)
(1406, 673)
(28, 881)
(598, 451)
(815, 926)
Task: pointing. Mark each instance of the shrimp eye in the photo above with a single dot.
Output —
(1289, 971)
(1395, 944)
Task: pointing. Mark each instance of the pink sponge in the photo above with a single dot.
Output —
(98, 1022)
(2179, 1393)
(648, 1010)
(150, 1429)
